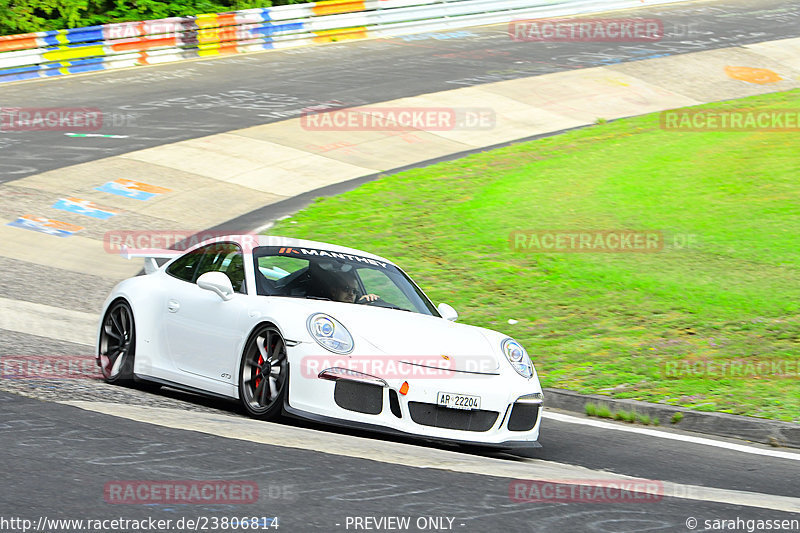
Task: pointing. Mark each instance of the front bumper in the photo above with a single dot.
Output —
(381, 406)
(511, 446)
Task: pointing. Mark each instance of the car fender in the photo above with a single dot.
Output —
(140, 293)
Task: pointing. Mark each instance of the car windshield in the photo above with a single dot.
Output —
(325, 275)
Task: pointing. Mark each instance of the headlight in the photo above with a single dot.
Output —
(330, 333)
(517, 357)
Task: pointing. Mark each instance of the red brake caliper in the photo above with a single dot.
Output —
(258, 370)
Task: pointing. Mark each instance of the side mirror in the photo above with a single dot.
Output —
(447, 312)
(218, 283)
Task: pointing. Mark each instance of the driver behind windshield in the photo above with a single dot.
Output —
(344, 288)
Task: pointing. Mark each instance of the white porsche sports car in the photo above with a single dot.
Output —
(321, 332)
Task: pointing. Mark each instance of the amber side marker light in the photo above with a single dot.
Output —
(404, 388)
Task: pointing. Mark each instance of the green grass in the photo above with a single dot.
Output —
(603, 411)
(604, 322)
(624, 416)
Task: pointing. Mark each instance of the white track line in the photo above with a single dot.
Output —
(671, 436)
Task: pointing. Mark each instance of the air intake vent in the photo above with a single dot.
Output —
(523, 416)
(359, 397)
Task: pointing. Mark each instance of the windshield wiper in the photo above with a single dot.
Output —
(318, 298)
(387, 305)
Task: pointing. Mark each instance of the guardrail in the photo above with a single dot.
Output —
(127, 44)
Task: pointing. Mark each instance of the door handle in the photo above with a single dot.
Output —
(173, 306)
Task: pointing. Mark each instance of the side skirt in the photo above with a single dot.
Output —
(186, 388)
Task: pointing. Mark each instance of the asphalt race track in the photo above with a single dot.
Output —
(58, 458)
(314, 491)
(163, 104)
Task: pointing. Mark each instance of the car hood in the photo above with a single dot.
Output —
(425, 338)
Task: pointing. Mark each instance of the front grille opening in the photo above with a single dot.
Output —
(394, 403)
(430, 414)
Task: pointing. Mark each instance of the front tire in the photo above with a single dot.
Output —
(117, 345)
(264, 374)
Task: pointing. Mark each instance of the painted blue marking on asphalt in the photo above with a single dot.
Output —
(24, 223)
(121, 190)
(82, 208)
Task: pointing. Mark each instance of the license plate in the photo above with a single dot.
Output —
(458, 401)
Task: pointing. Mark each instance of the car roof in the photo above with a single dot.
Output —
(249, 241)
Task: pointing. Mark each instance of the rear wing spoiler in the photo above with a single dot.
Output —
(149, 255)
